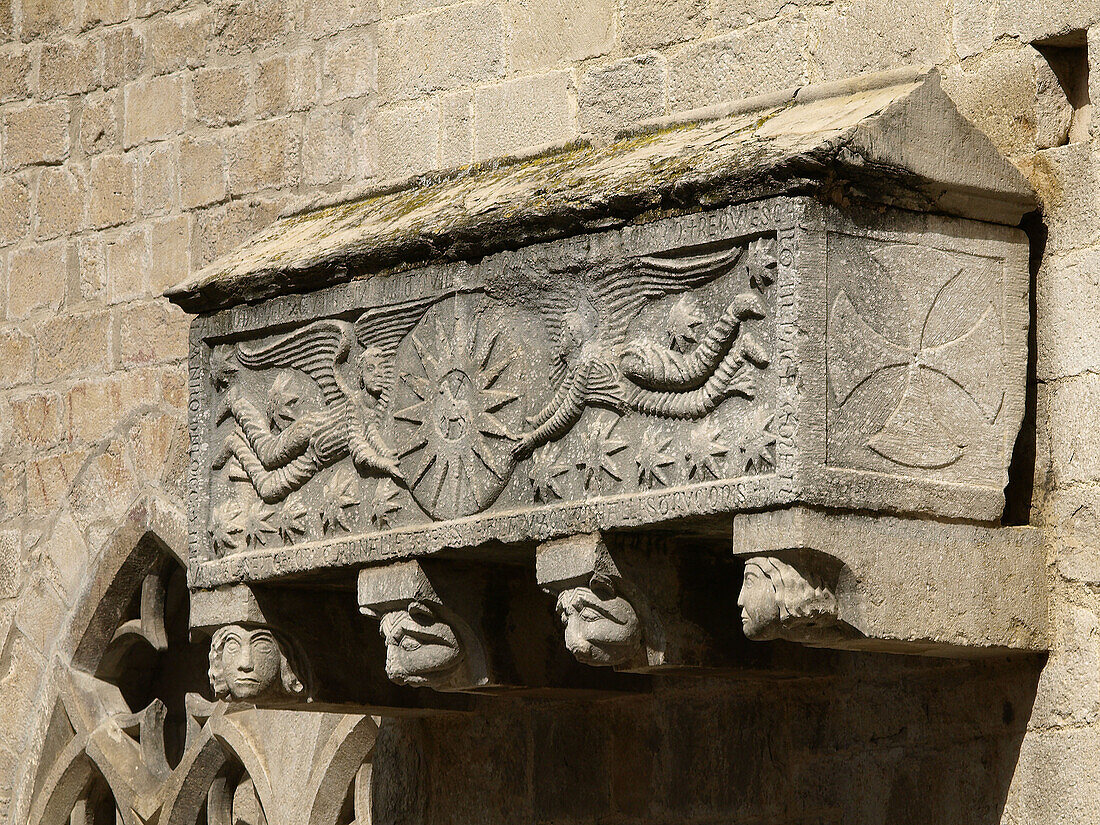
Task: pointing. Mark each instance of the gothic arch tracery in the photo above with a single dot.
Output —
(134, 735)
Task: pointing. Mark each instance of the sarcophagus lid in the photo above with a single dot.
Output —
(815, 298)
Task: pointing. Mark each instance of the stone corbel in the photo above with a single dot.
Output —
(272, 647)
(885, 583)
(474, 626)
(251, 659)
(654, 602)
(647, 603)
(791, 594)
(430, 642)
(607, 620)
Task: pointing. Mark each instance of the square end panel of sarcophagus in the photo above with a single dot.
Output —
(666, 374)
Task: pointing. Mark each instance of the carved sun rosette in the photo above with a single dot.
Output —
(457, 410)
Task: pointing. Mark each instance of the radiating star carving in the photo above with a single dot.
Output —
(455, 449)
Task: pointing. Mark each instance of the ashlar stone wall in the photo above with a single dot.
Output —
(140, 139)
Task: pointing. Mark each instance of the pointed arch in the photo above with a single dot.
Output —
(220, 744)
(336, 765)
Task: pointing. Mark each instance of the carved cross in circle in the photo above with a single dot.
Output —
(949, 345)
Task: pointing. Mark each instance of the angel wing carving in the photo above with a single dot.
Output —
(617, 294)
(589, 326)
(383, 328)
(315, 349)
(280, 458)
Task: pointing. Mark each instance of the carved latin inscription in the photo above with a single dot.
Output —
(703, 365)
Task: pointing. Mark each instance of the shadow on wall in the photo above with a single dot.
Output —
(888, 739)
(1020, 490)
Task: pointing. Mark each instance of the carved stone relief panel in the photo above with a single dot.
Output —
(509, 398)
(702, 365)
(923, 333)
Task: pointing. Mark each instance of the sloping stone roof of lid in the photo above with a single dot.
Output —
(893, 137)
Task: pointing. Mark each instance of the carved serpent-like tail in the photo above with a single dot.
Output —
(561, 413)
(272, 450)
(657, 368)
(731, 378)
(274, 485)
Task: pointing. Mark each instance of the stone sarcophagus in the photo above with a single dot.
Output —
(582, 369)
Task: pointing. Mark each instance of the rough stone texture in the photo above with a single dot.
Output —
(37, 277)
(544, 34)
(99, 123)
(440, 50)
(723, 68)
(15, 69)
(14, 209)
(410, 135)
(38, 133)
(111, 190)
(153, 109)
(202, 172)
(506, 113)
(262, 156)
(633, 89)
(349, 66)
(220, 95)
(663, 24)
(62, 194)
(881, 739)
(68, 67)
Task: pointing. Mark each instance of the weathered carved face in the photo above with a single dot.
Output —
(601, 628)
(285, 400)
(421, 649)
(372, 370)
(778, 600)
(245, 664)
(758, 602)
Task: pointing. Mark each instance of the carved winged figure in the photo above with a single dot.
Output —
(280, 453)
(595, 365)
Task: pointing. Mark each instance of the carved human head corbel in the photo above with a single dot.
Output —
(255, 663)
(790, 600)
(602, 628)
(428, 644)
